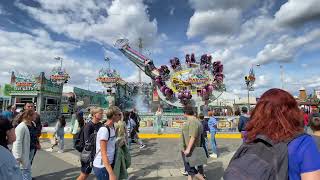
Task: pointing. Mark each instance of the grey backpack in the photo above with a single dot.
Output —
(259, 160)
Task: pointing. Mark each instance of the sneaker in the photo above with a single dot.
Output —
(204, 176)
(49, 149)
(183, 172)
(142, 146)
(60, 151)
(213, 155)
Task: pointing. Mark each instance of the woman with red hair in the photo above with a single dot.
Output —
(278, 117)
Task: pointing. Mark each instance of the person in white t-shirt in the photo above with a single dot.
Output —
(105, 146)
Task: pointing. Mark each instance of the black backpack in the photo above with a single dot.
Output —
(261, 159)
(79, 140)
(89, 149)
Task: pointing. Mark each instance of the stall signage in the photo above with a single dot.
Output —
(109, 77)
(178, 124)
(59, 76)
(26, 84)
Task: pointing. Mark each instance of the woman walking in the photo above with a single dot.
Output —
(212, 124)
(158, 123)
(59, 135)
(122, 156)
(77, 123)
(21, 147)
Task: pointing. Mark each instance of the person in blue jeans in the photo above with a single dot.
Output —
(212, 123)
(59, 135)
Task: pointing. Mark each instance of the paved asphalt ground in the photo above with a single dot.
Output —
(161, 159)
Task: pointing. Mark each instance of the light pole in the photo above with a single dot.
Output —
(282, 76)
(248, 89)
(107, 59)
(249, 80)
(88, 83)
(59, 59)
(60, 83)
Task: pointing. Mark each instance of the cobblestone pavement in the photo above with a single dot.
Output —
(160, 159)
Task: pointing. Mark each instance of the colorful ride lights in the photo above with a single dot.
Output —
(175, 63)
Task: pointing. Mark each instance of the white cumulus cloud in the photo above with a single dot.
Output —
(286, 48)
(298, 12)
(213, 22)
(34, 53)
(94, 20)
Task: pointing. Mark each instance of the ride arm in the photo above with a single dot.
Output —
(139, 60)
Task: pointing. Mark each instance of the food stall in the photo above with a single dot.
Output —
(45, 94)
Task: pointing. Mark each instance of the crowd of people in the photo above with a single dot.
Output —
(19, 138)
(106, 144)
(103, 144)
(276, 143)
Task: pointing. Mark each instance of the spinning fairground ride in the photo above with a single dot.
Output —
(193, 83)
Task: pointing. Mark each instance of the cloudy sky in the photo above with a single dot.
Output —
(240, 33)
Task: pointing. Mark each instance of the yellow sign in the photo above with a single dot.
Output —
(108, 79)
(189, 79)
(65, 108)
(224, 124)
(177, 124)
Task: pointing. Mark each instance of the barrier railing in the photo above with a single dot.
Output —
(176, 120)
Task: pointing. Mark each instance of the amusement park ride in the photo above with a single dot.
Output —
(59, 75)
(108, 77)
(193, 83)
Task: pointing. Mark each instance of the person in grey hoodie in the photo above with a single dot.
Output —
(21, 147)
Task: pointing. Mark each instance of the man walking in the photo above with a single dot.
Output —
(88, 132)
(243, 120)
(191, 138)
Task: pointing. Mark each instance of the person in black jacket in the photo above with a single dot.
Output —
(88, 130)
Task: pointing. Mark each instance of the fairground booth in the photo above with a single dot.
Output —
(44, 93)
(4, 99)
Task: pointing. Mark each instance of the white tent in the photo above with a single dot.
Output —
(229, 99)
(225, 99)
